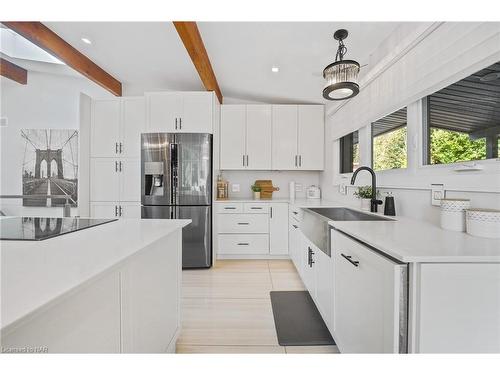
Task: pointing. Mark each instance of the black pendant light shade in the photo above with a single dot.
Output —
(342, 75)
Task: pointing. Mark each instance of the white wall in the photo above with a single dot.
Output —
(451, 52)
(48, 101)
(280, 179)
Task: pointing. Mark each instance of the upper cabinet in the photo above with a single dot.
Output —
(181, 112)
(245, 137)
(116, 127)
(298, 137)
(272, 137)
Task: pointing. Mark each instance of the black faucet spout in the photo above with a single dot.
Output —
(374, 201)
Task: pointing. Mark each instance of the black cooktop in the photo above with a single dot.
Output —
(42, 228)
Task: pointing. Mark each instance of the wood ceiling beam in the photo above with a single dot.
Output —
(43, 37)
(191, 37)
(14, 72)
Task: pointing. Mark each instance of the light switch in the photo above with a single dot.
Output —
(437, 194)
(235, 188)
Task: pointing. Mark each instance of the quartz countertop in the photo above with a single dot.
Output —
(35, 273)
(298, 202)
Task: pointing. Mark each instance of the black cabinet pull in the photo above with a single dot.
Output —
(293, 225)
(256, 208)
(355, 263)
(243, 244)
(243, 223)
(230, 208)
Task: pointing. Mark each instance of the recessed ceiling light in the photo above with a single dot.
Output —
(86, 41)
(275, 69)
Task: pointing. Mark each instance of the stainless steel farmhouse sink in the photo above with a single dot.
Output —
(314, 223)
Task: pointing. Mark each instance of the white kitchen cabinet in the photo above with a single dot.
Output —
(367, 299)
(116, 127)
(105, 128)
(183, 112)
(110, 210)
(115, 180)
(294, 245)
(246, 137)
(298, 137)
(248, 244)
(278, 228)
(309, 255)
(243, 223)
(151, 298)
(232, 136)
(284, 138)
(311, 135)
(258, 137)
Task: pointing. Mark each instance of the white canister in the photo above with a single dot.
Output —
(483, 222)
(453, 214)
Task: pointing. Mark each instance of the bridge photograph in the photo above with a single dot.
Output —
(50, 166)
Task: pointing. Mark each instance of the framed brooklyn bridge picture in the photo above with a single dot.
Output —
(50, 167)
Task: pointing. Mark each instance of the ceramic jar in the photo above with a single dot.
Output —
(453, 214)
(483, 222)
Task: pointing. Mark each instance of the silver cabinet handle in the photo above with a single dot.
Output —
(116, 147)
(230, 208)
(120, 164)
(296, 161)
(256, 208)
(295, 212)
(247, 160)
(121, 211)
(300, 160)
(116, 166)
(176, 123)
(271, 212)
(243, 244)
(116, 211)
(243, 223)
(243, 160)
(355, 263)
(180, 123)
(296, 227)
(121, 147)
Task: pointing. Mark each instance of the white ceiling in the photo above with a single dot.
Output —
(150, 55)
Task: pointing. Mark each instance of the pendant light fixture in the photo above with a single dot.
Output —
(342, 75)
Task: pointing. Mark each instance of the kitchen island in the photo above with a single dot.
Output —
(111, 288)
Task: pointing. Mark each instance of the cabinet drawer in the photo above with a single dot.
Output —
(243, 223)
(229, 208)
(256, 208)
(295, 213)
(243, 244)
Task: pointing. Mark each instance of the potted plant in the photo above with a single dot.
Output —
(256, 191)
(365, 194)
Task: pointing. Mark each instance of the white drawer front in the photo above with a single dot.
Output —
(295, 213)
(229, 208)
(243, 244)
(256, 208)
(243, 223)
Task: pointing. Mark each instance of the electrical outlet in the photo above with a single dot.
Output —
(298, 187)
(343, 189)
(3, 121)
(235, 188)
(437, 193)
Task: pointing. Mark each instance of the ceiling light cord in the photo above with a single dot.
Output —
(341, 51)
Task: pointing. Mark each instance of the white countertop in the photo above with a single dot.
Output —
(34, 273)
(298, 202)
(409, 241)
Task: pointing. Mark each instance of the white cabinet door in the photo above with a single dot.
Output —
(278, 229)
(366, 298)
(104, 179)
(232, 137)
(105, 128)
(308, 251)
(324, 286)
(133, 124)
(294, 245)
(164, 109)
(258, 137)
(197, 113)
(311, 137)
(130, 210)
(104, 210)
(130, 180)
(151, 297)
(284, 137)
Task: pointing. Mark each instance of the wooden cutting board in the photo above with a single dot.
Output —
(266, 188)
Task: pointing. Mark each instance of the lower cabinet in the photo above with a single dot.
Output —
(324, 286)
(109, 210)
(368, 299)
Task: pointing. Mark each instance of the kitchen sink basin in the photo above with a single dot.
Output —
(346, 214)
(314, 224)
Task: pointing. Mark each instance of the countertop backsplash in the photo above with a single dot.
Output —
(280, 179)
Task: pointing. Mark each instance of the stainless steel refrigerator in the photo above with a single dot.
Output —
(176, 170)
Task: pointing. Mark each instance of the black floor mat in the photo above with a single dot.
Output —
(298, 321)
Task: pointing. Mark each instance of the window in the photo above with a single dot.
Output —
(462, 121)
(389, 141)
(349, 152)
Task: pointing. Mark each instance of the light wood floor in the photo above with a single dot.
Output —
(227, 309)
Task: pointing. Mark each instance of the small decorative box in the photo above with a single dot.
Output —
(453, 214)
(483, 222)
